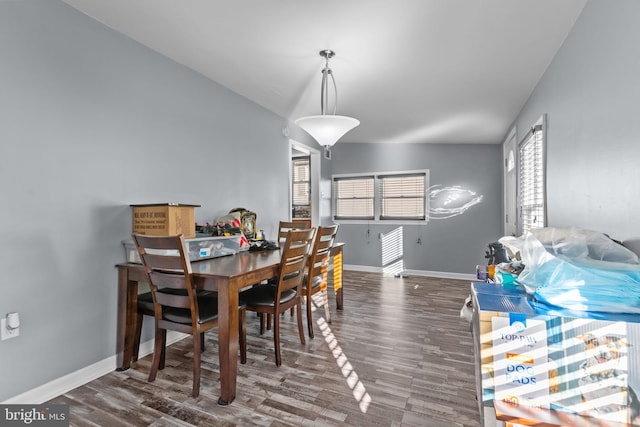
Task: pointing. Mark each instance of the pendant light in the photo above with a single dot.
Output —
(327, 129)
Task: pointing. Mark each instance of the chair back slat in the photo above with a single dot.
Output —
(294, 259)
(166, 299)
(162, 279)
(166, 262)
(285, 226)
(171, 289)
(303, 223)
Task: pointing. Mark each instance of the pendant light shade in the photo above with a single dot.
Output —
(327, 129)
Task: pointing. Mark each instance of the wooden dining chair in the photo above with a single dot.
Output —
(177, 305)
(274, 300)
(283, 228)
(315, 279)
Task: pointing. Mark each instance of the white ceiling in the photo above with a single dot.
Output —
(445, 71)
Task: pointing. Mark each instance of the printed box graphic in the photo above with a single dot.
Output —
(520, 361)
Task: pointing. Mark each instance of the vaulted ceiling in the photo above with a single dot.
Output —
(430, 71)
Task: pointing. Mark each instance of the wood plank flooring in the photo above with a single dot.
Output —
(398, 355)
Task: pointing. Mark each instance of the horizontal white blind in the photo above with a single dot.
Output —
(301, 187)
(354, 197)
(301, 181)
(300, 193)
(532, 181)
(402, 196)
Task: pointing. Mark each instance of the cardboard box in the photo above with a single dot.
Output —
(555, 367)
(164, 219)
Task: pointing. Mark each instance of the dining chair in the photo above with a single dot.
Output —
(315, 279)
(274, 300)
(283, 228)
(176, 303)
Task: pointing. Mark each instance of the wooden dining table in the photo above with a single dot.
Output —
(225, 275)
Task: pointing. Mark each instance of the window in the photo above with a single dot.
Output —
(402, 196)
(532, 179)
(354, 198)
(384, 197)
(301, 188)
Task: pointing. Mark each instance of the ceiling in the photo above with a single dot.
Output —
(430, 71)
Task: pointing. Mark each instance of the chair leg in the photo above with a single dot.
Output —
(309, 316)
(276, 338)
(136, 338)
(202, 342)
(158, 352)
(300, 327)
(197, 350)
(242, 325)
(262, 321)
(163, 353)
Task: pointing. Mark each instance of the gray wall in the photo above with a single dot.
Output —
(453, 244)
(590, 94)
(91, 122)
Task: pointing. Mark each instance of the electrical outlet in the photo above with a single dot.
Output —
(5, 333)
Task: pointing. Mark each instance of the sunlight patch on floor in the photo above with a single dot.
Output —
(350, 375)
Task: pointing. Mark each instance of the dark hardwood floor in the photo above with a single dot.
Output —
(398, 355)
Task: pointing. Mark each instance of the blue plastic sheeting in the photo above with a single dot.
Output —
(495, 297)
(580, 270)
(547, 310)
(585, 288)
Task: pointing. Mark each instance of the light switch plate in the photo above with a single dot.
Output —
(5, 333)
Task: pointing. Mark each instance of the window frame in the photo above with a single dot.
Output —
(532, 161)
(302, 182)
(377, 217)
(335, 180)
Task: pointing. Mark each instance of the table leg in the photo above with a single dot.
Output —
(337, 278)
(227, 342)
(127, 311)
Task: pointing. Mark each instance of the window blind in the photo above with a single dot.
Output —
(532, 180)
(354, 197)
(301, 187)
(402, 196)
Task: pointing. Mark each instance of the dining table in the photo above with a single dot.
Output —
(226, 275)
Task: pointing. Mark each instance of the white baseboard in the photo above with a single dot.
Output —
(363, 268)
(442, 275)
(425, 273)
(82, 376)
